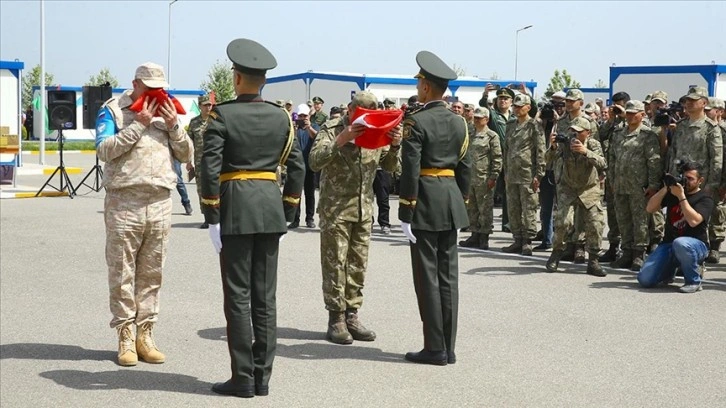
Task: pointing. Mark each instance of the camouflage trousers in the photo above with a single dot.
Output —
(656, 227)
(522, 203)
(717, 222)
(137, 221)
(632, 220)
(480, 208)
(613, 230)
(343, 260)
(592, 219)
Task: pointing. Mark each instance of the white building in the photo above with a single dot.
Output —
(10, 95)
(674, 80)
(337, 88)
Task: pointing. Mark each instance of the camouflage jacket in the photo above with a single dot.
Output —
(577, 175)
(138, 155)
(486, 156)
(347, 173)
(523, 151)
(195, 131)
(634, 161)
(563, 125)
(607, 130)
(698, 141)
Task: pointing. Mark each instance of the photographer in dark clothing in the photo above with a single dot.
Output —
(685, 243)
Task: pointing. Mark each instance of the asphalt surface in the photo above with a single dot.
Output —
(526, 338)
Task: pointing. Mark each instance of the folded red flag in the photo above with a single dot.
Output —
(379, 123)
(160, 96)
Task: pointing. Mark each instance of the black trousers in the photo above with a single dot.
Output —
(435, 263)
(382, 190)
(309, 192)
(249, 281)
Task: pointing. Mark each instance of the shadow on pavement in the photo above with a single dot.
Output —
(40, 351)
(220, 333)
(128, 379)
(187, 225)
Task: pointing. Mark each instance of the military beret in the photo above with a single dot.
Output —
(433, 68)
(505, 92)
(318, 99)
(250, 57)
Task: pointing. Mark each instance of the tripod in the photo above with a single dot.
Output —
(63, 174)
(97, 173)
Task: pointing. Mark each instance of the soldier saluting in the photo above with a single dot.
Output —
(434, 187)
(246, 139)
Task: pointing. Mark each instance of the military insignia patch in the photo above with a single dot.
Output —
(213, 115)
(407, 125)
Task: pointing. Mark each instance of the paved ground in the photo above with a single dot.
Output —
(526, 338)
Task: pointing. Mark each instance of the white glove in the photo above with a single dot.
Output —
(215, 234)
(406, 227)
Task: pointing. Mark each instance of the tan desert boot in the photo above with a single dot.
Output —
(126, 350)
(145, 345)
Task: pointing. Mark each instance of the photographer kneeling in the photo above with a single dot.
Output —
(685, 243)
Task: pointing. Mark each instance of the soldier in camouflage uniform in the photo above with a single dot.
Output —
(524, 167)
(574, 101)
(656, 220)
(486, 156)
(196, 129)
(616, 120)
(635, 175)
(346, 210)
(698, 139)
(717, 224)
(578, 185)
(139, 151)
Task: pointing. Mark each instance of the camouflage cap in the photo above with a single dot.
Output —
(288, 102)
(481, 113)
(591, 107)
(318, 99)
(389, 102)
(151, 75)
(659, 96)
(559, 94)
(521, 100)
(648, 98)
(343, 106)
(204, 100)
(634, 106)
(574, 95)
(715, 103)
(365, 99)
(696, 93)
(580, 124)
(468, 106)
(280, 102)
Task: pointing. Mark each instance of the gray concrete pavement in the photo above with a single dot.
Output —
(526, 338)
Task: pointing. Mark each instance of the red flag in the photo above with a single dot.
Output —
(159, 95)
(379, 123)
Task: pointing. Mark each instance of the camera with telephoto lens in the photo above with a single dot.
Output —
(547, 109)
(671, 180)
(668, 115)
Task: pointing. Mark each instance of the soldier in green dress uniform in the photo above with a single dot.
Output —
(434, 187)
(246, 139)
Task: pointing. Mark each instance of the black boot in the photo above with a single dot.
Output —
(515, 248)
(625, 261)
(579, 254)
(611, 254)
(483, 241)
(713, 255)
(638, 259)
(527, 247)
(472, 241)
(569, 252)
(593, 266)
(554, 261)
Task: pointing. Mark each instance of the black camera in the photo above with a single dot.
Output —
(547, 109)
(300, 123)
(668, 115)
(563, 138)
(671, 180)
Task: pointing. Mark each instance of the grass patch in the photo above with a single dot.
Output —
(34, 145)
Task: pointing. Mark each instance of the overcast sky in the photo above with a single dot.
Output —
(376, 37)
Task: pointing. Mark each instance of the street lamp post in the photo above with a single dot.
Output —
(168, 47)
(516, 48)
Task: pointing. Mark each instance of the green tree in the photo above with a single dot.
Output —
(219, 81)
(560, 81)
(31, 79)
(101, 78)
(600, 84)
